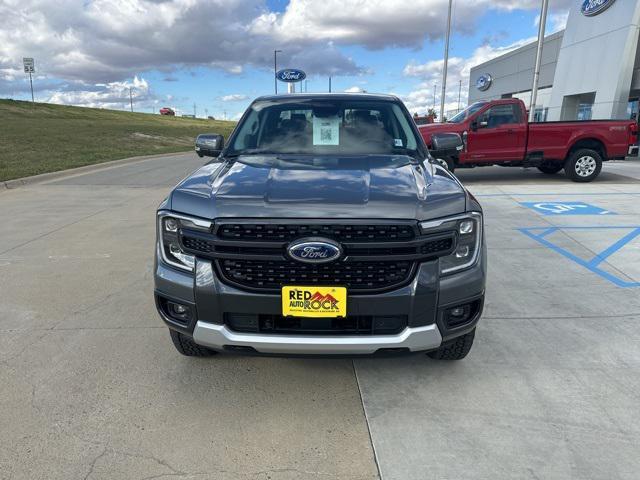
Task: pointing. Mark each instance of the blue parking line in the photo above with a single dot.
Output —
(614, 248)
(590, 265)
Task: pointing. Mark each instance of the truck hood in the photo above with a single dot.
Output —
(427, 130)
(381, 186)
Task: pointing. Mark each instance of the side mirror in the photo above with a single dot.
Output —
(209, 144)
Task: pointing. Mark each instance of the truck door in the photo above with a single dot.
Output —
(497, 134)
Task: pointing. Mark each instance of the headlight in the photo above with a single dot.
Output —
(469, 233)
(169, 226)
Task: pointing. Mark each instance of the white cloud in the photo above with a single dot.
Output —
(113, 95)
(234, 97)
(379, 23)
(421, 97)
(82, 43)
(354, 89)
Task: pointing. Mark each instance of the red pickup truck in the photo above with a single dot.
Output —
(498, 133)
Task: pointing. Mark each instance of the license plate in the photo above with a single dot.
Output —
(314, 301)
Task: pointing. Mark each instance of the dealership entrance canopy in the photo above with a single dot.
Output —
(591, 70)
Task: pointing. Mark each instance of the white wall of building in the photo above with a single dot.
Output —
(597, 57)
(513, 72)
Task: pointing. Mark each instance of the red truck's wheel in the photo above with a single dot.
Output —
(583, 165)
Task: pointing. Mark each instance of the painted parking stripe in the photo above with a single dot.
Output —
(539, 233)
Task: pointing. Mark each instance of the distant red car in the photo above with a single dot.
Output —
(167, 111)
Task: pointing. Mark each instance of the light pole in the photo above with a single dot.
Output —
(459, 93)
(435, 87)
(275, 69)
(446, 63)
(130, 99)
(536, 72)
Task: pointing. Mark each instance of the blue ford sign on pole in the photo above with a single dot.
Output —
(594, 7)
(290, 75)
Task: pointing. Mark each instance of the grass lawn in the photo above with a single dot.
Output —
(39, 138)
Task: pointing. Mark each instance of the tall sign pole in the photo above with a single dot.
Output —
(30, 68)
(446, 63)
(536, 72)
(275, 69)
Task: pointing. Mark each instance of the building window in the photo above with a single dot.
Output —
(632, 109)
(540, 114)
(584, 111)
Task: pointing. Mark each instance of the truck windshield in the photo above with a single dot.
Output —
(467, 112)
(325, 126)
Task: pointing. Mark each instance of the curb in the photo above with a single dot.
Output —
(43, 177)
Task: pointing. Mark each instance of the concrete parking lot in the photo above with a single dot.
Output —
(93, 389)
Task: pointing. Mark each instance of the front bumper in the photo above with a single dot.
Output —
(423, 302)
(220, 337)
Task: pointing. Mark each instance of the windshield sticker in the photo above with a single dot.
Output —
(397, 142)
(326, 131)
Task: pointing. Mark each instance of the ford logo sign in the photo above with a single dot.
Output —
(484, 82)
(314, 250)
(291, 75)
(594, 7)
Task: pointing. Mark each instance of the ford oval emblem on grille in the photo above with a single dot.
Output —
(314, 250)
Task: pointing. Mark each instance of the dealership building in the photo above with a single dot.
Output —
(590, 70)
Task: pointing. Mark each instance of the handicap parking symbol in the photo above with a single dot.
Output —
(566, 208)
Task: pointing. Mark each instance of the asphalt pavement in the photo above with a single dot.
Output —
(93, 389)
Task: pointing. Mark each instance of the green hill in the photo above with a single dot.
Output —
(39, 138)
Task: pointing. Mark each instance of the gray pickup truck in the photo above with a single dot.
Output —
(322, 227)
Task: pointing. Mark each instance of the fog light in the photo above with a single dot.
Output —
(178, 311)
(457, 312)
(462, 251)
(466, 226)
(171, 224)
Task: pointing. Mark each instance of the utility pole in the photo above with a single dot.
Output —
(459, 93)
(130, 99)
(305, 87)
(536, 72)
(194, 109)
(329, 84)
(275, 69)
(206, 112)
(446, 63)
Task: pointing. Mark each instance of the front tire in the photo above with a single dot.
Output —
(551, 168)
(455, 349)
(187, 347)
(583, 165)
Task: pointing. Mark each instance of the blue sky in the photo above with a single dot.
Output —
(218, 55)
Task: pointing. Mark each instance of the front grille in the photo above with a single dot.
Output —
(376, 256)
(340, 233)
(356, 276)
(351, 325)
